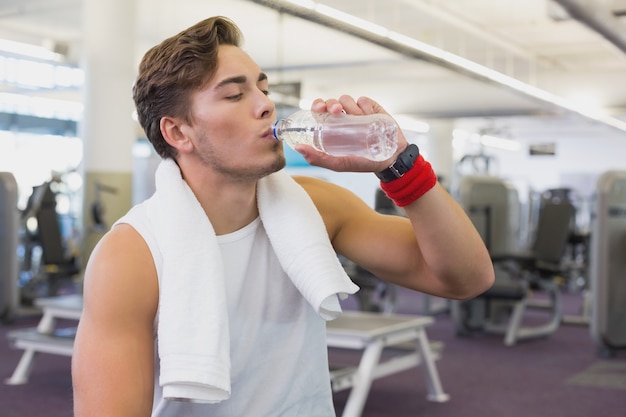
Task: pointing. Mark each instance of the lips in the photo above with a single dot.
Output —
(269, 133)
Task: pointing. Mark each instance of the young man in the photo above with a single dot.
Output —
(195, 302)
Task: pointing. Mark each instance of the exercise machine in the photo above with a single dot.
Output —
(9, 226)
(520, 273)
(608, 264)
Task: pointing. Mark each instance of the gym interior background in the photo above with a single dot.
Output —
(520, 106)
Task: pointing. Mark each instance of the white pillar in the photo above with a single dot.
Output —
(440, 152)
(108, 130)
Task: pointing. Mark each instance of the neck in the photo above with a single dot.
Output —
(228, 203)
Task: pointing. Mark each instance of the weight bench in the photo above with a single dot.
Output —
(368, 332)
(45, 338)
(371, 333)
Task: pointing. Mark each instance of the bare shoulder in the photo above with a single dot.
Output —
(113, 357)
(121, 273)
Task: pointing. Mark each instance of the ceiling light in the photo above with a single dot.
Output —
(318, 13)
(461, 136)
(28, 50)
(351, 20)
(500, 143)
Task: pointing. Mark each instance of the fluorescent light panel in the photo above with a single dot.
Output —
(28, 50)
(454, 60)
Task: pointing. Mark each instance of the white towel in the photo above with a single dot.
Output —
(193, 341)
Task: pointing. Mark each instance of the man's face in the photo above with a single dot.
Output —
(232, 118)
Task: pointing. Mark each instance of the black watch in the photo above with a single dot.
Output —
(405, 161)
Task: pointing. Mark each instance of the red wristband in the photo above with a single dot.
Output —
(411, 185)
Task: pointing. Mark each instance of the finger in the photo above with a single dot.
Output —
(331, 105)
(312, 155)
(334, 106)
(318, 105)
(350, 105)
(370, 106)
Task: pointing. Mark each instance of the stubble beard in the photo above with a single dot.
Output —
(247, 172)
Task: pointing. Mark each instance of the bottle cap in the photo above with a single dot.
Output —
(274, 130)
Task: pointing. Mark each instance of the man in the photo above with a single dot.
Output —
(203, 103)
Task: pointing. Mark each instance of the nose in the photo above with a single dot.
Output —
(266, 106)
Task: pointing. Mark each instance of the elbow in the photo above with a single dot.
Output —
(475, 282)
(481, 281)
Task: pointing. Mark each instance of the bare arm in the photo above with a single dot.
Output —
(113, 360)
(436, 250)
(452, 249)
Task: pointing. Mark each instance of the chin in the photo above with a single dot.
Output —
(279, 164)
(276, 165)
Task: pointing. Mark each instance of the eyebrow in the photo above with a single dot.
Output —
(239, 79)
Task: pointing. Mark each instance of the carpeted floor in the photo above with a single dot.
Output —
(560, 375)
(556, 376)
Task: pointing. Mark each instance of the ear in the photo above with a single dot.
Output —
(173, 131)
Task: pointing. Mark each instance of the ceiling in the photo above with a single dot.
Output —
(533, 41)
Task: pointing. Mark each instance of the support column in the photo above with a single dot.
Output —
(440, 152)
(108, 130)
(9, 231)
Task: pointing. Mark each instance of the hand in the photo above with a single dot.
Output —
(347, 104)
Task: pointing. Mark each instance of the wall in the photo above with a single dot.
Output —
(577, 163)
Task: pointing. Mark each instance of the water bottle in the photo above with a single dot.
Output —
(371, 136)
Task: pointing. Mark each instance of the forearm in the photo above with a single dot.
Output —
(451, 247)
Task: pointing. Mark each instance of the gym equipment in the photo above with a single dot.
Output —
(493, 207)
(9, 226)
(48, 336)
(519, 274)
(47, 263)
(608, 264)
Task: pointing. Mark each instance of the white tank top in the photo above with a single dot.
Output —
(279, 363)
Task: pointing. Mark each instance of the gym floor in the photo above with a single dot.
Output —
(560, 375)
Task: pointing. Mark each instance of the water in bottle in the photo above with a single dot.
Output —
(371, 136)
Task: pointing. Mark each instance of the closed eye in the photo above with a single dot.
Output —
(236, 97)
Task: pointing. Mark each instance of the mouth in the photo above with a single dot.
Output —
(269, 134)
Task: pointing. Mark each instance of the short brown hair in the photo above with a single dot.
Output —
(170, 71)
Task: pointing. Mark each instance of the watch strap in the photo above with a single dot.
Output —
(406, 160)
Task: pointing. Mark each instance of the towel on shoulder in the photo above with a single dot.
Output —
(193, 336)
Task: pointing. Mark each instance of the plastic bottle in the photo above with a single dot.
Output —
(372, 136)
